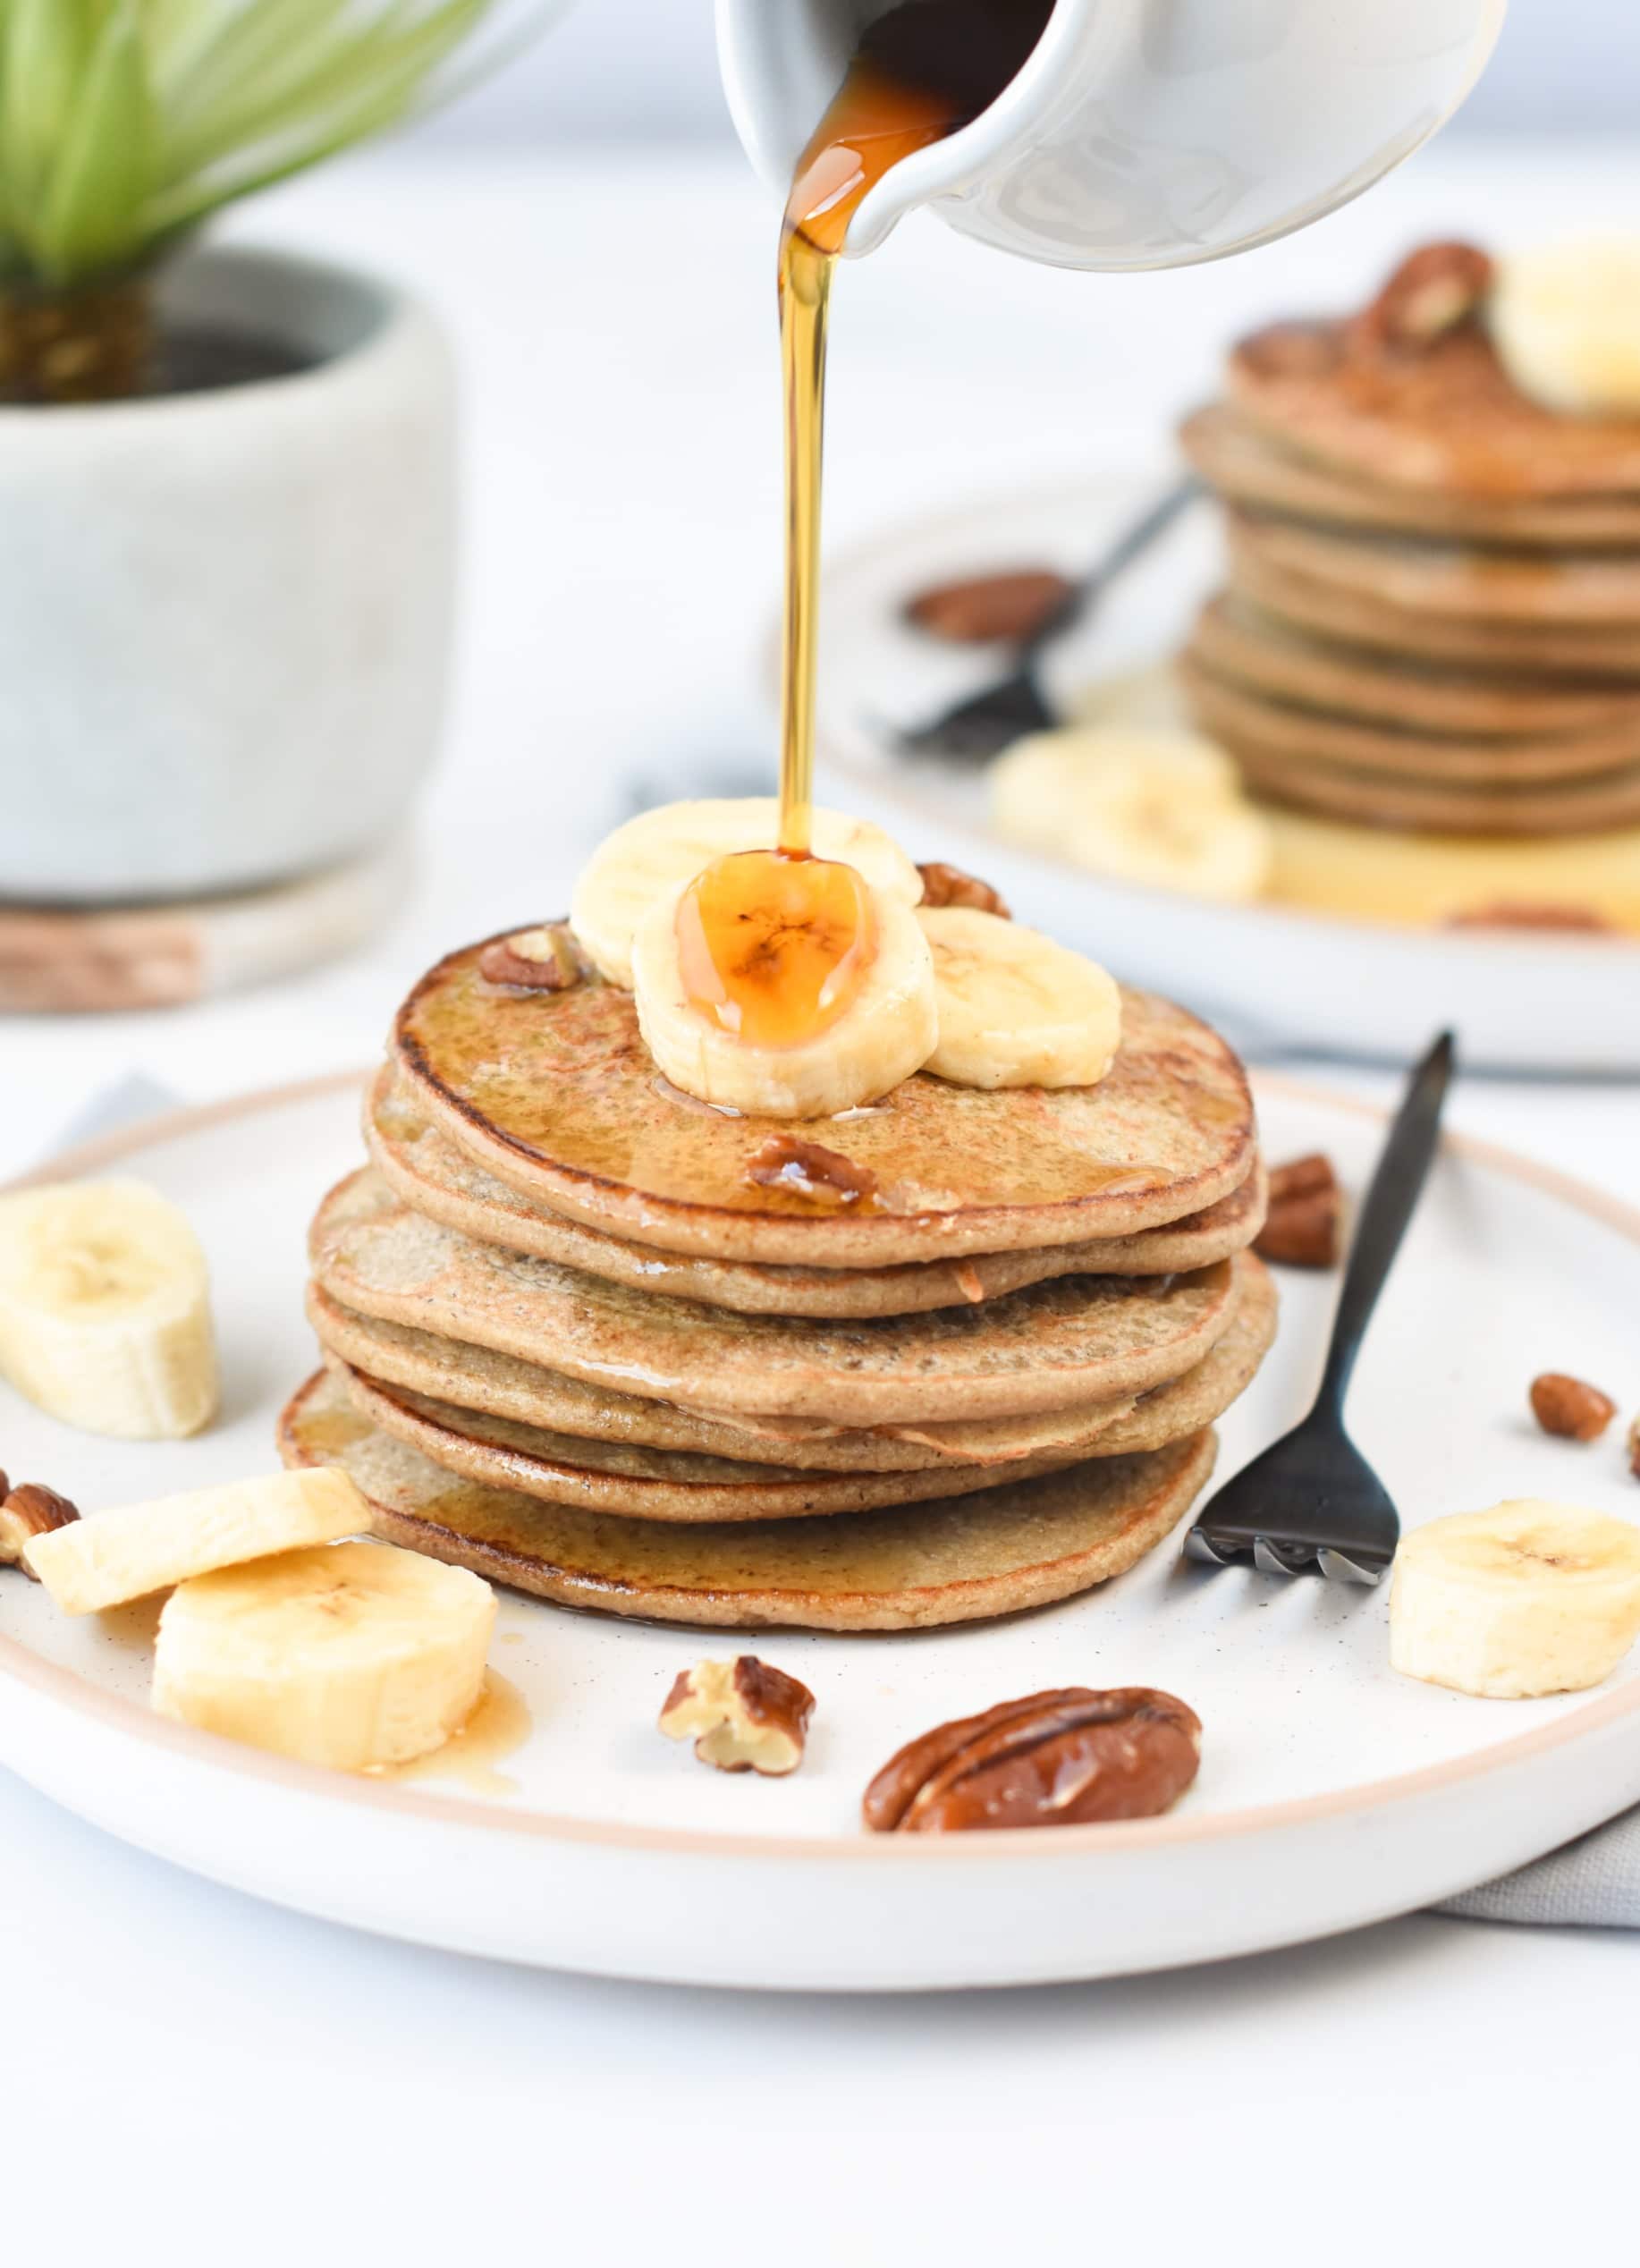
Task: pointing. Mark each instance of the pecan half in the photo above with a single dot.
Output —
(1302, 1227)
(984, 608)
(1432, 291)
(1057, 1759)
(945, 885)
(1581, 922)
(25, 1514)
(742, 1715)
(1570, 1407)
(1633, 1445)
(788, 1162)
(544, 960)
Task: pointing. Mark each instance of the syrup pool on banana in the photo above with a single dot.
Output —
(804, 1003)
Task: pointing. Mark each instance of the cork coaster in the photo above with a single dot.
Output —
(98, 959)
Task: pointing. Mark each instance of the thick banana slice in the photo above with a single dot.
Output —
(1529, 1597)
(886, 1032)
(653, 855)
(1164, 809)
(1566, 322)
(359, 1656)
(1016, 1010)
(127, 1554)
(104, 1309)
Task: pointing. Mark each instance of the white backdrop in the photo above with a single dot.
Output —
(645, 68)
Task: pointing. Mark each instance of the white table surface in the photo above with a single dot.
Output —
(186, 2072)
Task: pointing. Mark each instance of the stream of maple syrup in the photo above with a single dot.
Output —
(775, 945)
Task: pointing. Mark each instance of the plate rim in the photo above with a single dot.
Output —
(129, 1719)
(855, 560)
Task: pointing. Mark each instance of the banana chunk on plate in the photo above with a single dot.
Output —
(1015, 1008)
(655, 854)
(115, 1557)
(356, 1655)
(104, 1309)
(1161, 809)
(1529, 1597)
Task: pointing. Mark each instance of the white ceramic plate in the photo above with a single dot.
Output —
(1281, 978)
(1332, 1791)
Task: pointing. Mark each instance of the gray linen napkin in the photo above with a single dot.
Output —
(1594, 1882)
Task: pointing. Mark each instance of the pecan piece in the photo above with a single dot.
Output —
(25, 1514)
(1580, 921)
(743, 1715)
(1633, 1446)
(1570, 1407)
(544, 960)
(1063, 1758)
(945, 885)
(1301, 1228)
(788, 1162)
(1432, 291)
(984, 608)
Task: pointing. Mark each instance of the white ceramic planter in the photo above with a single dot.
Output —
(224, 617)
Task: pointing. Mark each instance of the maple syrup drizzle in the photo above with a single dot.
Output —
(924, 69)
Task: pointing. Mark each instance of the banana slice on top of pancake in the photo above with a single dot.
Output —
(1161, 809)
(1015, 1008)
(655, 854)
(1565, 320)
(885, 1030)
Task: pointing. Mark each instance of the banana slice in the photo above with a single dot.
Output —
(1164, 809)
(1151, 698)
(127, 1554)
(886, 1032)
(655, 854)
(1566, 322)
(104, 1309)
(1529, 1597)
(356, 1655)
(1015, 1008)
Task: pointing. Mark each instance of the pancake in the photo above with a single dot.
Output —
(478, 1378)
(1239, 717)
(1249, 467)
(1601, 592)
(556, 1094)
(1077, 1339)
(645, 1484)
(1382, 799)
(1241, 644)
(957, 1560)
(1447, 417)
(1356, 618)
(435, 1177)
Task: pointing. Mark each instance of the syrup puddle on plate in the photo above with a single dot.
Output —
(498, 1727)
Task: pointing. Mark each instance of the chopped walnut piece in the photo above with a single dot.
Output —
(982, 609)
(1580, 921)
(1302, 1227)
(544, 960)
(25, 1514)
(1570, 1407)
(1432, 291)
(788, 1162)
(742, 1715)
(945, 885)
(1058, 1760)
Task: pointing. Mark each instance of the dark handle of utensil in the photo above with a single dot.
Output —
(1386, 1210)
(1151, 525)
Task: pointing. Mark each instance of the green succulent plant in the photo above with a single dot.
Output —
(124, 124)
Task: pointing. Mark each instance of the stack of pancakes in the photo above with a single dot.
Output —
(962, 1357)
(1432, 622)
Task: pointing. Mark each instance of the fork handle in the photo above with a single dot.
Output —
(1386, 1210)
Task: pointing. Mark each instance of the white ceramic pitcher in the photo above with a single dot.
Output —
(1141, 133)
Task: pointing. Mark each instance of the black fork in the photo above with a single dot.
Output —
(1313, 1501)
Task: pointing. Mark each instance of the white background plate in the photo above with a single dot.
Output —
(1280, 977)
(1331, 1792)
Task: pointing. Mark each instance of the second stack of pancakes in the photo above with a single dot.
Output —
(960, 1353)
(1431, 620)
